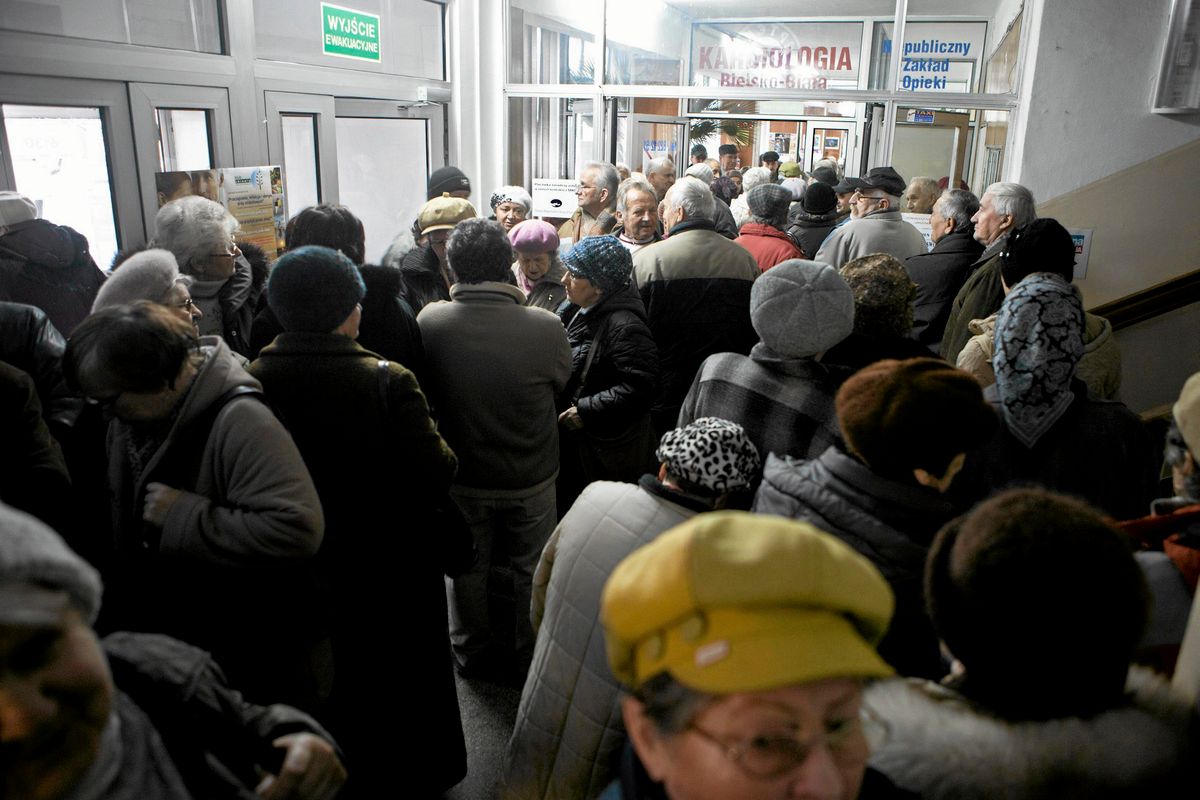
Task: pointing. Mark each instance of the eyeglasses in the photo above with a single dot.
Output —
(584, 186)
(188, 303)
(435, 239)
(862, 196)
(232, 252)
(770, 756)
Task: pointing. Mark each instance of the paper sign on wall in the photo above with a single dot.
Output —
(253, 195)
(553, 197)
(921, 223)
(1083, 248)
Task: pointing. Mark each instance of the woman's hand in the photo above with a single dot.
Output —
(311, 770)
(570, 419)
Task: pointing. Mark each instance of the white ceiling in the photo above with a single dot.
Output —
(830, 8)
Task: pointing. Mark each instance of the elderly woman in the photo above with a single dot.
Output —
(538, 271)
(510, 206)
(763, 235)
(389, 326)
(151, 275)
(883, 314)
(1052, 432)
(614, 378)
(745, 642)
(200, 234)
(755, 176)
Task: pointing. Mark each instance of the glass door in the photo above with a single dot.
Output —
(651, 136)
(385, 153)
(66, 145)
(931, 143)
(179, 133)
(301, 138)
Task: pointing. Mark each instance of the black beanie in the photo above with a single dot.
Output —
(1041, 246)
(818, 198)
(314, 289)
(447, 179)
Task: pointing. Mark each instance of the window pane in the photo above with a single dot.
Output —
(549, 137)
(60, 161)
(411, 35)
(183, 139)
(953, 145)
(553, 42)
(383, 165)
(966, 53)
(728, 44)
(300, 161)
(177, 24)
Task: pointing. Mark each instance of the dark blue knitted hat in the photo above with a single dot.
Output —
(602, 260)
(314, 289)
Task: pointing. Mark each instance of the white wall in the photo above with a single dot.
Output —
(1086, 104)
(476, 69)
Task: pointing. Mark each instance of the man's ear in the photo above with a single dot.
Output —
(649, 744)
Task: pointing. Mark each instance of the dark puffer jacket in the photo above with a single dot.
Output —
(422, 278)
(807, 230)
(623, 378)
(889, 522)
(49, 266)
(30, 342)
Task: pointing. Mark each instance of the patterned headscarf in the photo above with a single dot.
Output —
(1039, 341)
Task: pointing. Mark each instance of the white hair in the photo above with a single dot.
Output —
(191, 227)
(1014, 200)
(607, 177)
(754, 176)
(633, 185)
(959, 205)
(655, 164)
(693, 197)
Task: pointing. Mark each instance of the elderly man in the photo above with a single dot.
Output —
(637, 215)
(696, 289)
(941, 272)
(1004, 208)
(596, 194)
(920, 195)
(495, 399)
(722, 216)
(136, 715)
(660, 173)
(567, 749)
(214, 512)
(879, 228)
(699, 154)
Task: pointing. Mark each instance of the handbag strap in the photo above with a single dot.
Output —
(384, 372)
(587, 364)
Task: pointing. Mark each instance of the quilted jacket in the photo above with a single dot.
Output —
(569, 731)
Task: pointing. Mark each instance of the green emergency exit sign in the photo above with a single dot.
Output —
(349, 33)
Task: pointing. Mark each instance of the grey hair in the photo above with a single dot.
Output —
(655, 164)
(633, 185)
(148, 275)
(755, 176)
(1015, 200)
(670, 705)
(925, 184)
(959, 205)
(607, 177)
(831, 163)
(189, 226)
(694, 197)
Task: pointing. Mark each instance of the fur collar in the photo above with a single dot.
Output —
(941, 747)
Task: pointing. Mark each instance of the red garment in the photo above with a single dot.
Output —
(768, 245)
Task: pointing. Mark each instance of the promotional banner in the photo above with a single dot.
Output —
(253, 195)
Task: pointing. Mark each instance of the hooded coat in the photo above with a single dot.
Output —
(889, 522)
(942, 747)
(809, 231)
(229, 305)
(239, 536)
(49, 266)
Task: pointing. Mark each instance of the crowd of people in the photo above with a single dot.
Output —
(738, 450)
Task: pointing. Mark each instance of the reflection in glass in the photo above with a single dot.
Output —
(553, 44)
(60, 161)
(549, 137)
(183, 139)
(300, 161)
(177, 24)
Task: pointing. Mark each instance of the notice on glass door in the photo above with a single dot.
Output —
(253, 195)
